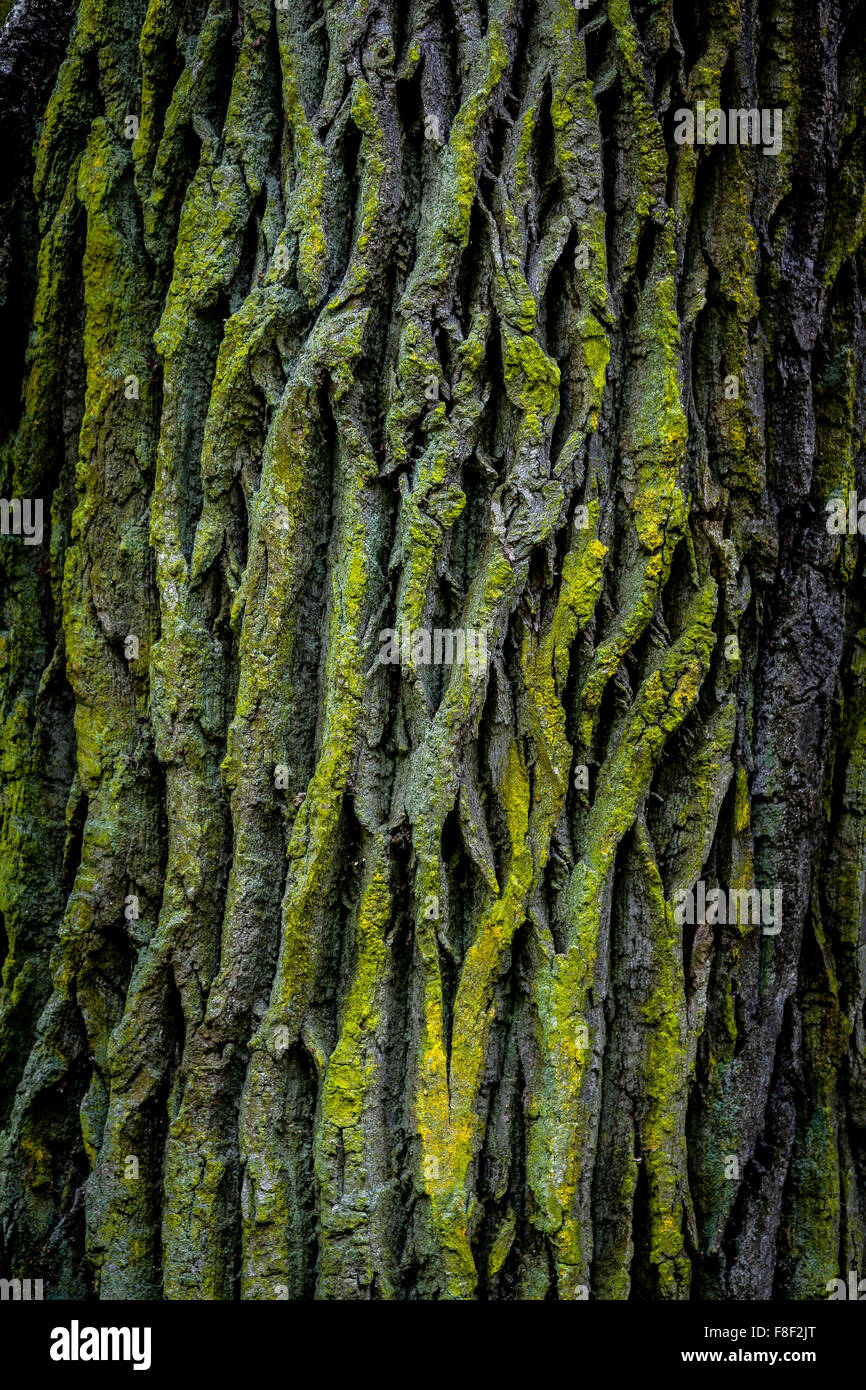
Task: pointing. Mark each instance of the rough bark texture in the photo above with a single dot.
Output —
(407, 1011)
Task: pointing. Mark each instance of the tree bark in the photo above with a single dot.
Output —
(335, 326)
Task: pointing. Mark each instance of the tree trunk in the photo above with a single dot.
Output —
(438, 599)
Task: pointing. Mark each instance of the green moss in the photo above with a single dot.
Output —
(650, 157)
(663, 1106)
(531, 379)
(502, 1243)
(560, 1140)
(306, 214)
(346, 1162)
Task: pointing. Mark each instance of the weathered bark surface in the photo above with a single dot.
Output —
(405, 284)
